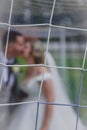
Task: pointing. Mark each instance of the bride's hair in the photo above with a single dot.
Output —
(38, 52)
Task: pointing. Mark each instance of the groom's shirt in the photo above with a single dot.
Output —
(2, 68)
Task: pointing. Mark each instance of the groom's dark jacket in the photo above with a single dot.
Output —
(16, 95)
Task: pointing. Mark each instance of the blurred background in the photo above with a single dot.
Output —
(67, 46)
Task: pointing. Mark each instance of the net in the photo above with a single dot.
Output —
(51, 24)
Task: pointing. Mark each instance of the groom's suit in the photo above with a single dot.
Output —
(10, 92)
(4, 92)
(16, 95)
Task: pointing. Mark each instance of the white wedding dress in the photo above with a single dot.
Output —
(63, 117)
(25, 115)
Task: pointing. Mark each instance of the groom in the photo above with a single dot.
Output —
(15, 48)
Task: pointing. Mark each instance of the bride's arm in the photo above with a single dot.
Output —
(49, 95)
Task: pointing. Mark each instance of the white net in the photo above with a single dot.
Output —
(51, 26)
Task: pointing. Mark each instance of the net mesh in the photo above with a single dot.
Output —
(50, 25)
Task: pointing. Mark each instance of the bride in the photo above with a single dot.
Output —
(24, 117)
(49, 116)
